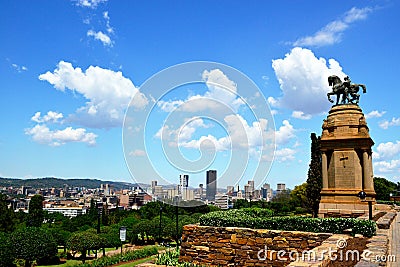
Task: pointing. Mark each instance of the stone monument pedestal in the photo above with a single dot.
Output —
(346, 163)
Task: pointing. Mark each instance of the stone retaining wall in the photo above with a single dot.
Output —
(231, 246)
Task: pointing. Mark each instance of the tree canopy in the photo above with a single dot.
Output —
(36, 214)
(314, 180)
(33, 243)
(383, 188)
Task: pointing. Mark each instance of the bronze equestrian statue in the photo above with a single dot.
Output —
(346, 90)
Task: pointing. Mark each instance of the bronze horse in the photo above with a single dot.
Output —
(346, 90)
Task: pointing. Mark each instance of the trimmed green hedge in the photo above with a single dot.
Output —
(115, 259)
(252, 212)
(292, 223)
(388, 202)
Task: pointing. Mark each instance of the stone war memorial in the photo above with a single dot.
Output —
(251, 237)
(346, 154)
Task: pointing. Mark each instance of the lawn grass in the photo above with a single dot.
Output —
(68, 263)
(135, 263)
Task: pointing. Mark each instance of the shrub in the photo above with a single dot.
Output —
(6, 251)
(170, 258)
(293, 223)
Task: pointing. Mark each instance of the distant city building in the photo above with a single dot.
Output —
(183, 183)
(266, 192)
(230, 189)
(211, 182)
(187, 194)
(172, 192)
(280, 188)
(222, 201)
(251, 184)
(184, 180)
(201, 189)
(248, 192)
(67, 211)
(158, 191)
(256, 194)
(153, 185)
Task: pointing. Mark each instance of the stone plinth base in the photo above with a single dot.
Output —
(344, 210)
(341, 202)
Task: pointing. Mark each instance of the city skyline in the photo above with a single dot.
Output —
(69, 69)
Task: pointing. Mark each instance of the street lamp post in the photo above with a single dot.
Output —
(177, 227)
(99, 210)
(159, 232)
(362, 195)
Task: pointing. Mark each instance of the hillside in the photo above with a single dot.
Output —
(50, 182)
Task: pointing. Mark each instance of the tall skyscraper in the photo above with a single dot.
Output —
(183, 183)
(211, 182)
(184, 180)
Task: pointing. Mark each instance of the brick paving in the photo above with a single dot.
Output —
(394, 242)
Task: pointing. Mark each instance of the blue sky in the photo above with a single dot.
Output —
(79, 63)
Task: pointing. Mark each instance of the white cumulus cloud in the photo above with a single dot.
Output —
(108, 93)
(241, 135)
(303, 79)
(332, 33)
(386, 124)
(221, 92)
(285, 133)
(90, 3)
(374, 114)
(102, 37)
(42, 134)
(387, 150)
(284, 154)
(301, 115)
(388, 166)
(51, 116)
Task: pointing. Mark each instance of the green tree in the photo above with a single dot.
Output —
(152, 209)
(383, 188)
(60, 236)
(6, 251)
(83, 242)
(314, 180)
(298, 196)
(240, 203)
(281, 202)
(36, 214)
(33, 243)
(93, 209)
(7, 218)
(141, 230)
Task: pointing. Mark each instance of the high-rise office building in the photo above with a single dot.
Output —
(183, 183)
(211, 182)
(184, 180)
(251, 184)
